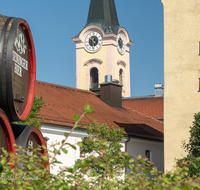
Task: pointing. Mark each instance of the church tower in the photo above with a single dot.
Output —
(102, 48)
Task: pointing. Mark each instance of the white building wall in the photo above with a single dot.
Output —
(135, 146)
(55, 134)
(138, 146)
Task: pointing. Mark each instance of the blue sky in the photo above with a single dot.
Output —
(54, 23)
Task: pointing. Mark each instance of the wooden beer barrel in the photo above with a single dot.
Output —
(7, 139)
(17, 68)
(28, 138)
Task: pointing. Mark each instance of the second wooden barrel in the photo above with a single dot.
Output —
(7, 139)
(17, 68)
(28, 138)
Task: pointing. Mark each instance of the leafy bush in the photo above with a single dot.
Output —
(193, 148)
(31, 120)
(104, 142)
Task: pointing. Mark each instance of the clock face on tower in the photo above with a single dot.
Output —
(93, 41)
(120, 43)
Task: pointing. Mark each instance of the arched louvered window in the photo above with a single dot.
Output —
(94, 78)
(121, 76)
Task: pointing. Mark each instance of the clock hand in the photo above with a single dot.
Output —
(120, 41)
(93, 42)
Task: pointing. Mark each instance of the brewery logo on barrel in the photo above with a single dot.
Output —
(19, 42)
(30, 145)
(19, 59)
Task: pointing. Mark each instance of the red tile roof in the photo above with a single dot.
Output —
(62, 103)
(152, 107)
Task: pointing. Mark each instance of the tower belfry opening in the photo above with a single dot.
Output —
(121, 76)
(94, 79)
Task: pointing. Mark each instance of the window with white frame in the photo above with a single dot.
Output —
(148, 155)
(82, 154)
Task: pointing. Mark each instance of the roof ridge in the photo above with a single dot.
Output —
(142, 97)
(142, 114)
(67, 87)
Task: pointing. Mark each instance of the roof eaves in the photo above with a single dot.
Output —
(148, 137)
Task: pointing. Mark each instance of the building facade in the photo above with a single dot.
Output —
(181, 74)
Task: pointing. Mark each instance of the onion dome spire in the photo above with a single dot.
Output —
(103, 14)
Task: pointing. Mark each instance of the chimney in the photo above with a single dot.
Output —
(158, 89)
(111, 92)
(108, 78)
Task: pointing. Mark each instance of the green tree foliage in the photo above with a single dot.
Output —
(31, 120)
(193, 148)
(192, 163)
(104, 151)
(104, 143)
